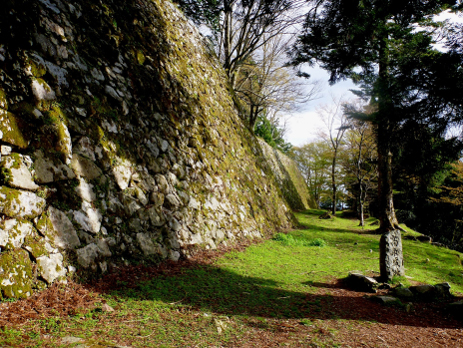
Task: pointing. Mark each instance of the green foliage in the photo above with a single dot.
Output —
(435, 209)
(272, 134)
(410, 84)
(203, 12)
(317, 242)
(314, 162)
(290, 240)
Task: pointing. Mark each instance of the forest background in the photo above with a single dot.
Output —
(285, 100)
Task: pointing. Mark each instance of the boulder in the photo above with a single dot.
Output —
(57, 228)
(423, 291)
(149, 247)
(442, 290)
(48, 170)
(16, 275)
(84, 167)
(386, 300)
(403, 292)
(424, 239)
(85, 191)
(35, 245)
(12, 130)
(122, 174)
(362, 283)
(89, 218)
(88, 255)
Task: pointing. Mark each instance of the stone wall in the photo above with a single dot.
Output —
(289, 179)
(119, 143)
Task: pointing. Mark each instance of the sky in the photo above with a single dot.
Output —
(302, 127)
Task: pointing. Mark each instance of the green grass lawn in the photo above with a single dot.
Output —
(264, 285)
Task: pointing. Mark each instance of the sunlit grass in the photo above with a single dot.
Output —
(261, 287)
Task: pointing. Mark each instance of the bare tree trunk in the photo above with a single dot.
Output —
(362, 204)
(333, 182)
(227, 36)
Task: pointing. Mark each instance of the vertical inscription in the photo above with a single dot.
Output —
(391, 261)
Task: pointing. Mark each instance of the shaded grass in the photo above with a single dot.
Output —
(258, 289)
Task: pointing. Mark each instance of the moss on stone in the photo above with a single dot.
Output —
(17, 278)
(12, 131)
(140, 57)
(34, 244)
(56, 133)
(3, 100)
(37, 70)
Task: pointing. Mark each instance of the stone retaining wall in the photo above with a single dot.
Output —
(119, 143)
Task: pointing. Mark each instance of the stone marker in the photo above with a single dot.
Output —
(391, 261)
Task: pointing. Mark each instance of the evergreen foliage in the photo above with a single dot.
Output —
(408, 81)
(272, 134)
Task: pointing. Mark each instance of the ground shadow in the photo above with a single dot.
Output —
(317, 228)
(213, 289)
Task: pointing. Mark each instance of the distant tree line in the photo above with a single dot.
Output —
(252, 39)
(412, 92)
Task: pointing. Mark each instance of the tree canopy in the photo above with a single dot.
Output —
(388, 47)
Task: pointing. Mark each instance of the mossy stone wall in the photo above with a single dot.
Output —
(131, 149)
(290, 181)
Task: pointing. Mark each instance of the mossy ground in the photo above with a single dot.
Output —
(268, 288)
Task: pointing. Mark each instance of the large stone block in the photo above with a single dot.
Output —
(48, 170)
(89, 218)
(16, 173)
(84, 167)
(51, 267)
(20, 204)
(57, 228)
(12, 130)
(88, 255)
(16, 275)
(13, 233)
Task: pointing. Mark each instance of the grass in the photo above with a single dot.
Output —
(269, 284)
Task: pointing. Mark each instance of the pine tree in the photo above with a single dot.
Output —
(387, 46)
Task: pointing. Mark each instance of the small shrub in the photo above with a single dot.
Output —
(317, 242)
(290, 240)
(306, 322)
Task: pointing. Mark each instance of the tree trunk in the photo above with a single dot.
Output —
(361, 203)
(227, 37)
(333, 183)
(390, 258)
(387, 218)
